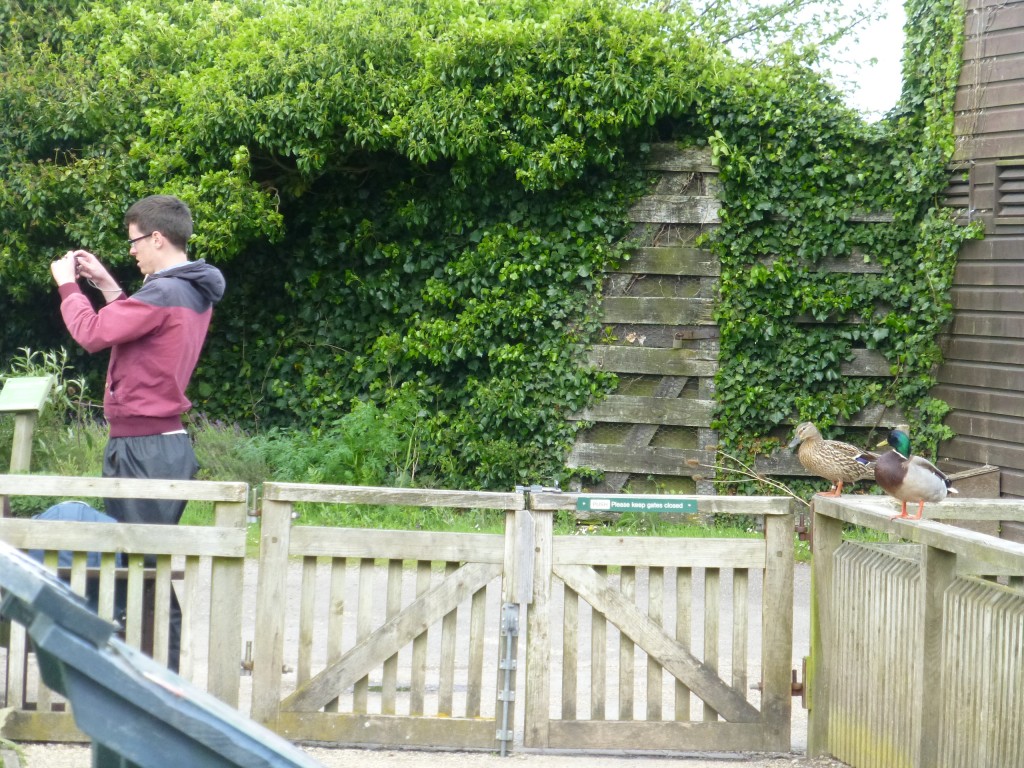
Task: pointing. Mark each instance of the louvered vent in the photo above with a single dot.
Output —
(1010, 192)
(958, 193)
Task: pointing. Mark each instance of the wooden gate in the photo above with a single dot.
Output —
(391, 668)
(639, 595)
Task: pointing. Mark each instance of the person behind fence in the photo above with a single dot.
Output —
(154, 337)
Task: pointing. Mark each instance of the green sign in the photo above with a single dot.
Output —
(634, 504)
(25, 394)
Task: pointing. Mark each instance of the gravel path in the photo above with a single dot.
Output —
(65, 756)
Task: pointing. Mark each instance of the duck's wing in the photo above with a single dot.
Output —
(852, 453)
(923, 463)
(846, 450)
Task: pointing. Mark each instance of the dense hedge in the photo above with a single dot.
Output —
(415, 201)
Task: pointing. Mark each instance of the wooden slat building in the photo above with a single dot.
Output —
(983, 374)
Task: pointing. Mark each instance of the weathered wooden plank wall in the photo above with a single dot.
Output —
(660, 338)
(983, 376)
(654, 432)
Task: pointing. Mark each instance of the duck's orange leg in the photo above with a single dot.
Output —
(835, 490)
(920, 511)
(902, 514)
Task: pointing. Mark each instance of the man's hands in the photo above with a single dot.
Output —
(79, 263)
(65, 269)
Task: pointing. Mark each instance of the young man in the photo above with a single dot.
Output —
(154, 338)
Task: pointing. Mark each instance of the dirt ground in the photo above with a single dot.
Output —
(65, 756)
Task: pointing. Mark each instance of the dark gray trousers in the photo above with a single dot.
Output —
(157, 457)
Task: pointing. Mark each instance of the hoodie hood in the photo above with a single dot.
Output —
(195, 284)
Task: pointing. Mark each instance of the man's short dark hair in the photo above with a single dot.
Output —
(165, 214)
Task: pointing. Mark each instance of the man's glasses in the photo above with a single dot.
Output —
(133, 240)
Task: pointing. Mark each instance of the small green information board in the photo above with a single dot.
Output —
(26, 394)
(634, 504)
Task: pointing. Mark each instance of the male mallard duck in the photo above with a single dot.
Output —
(909, 478)
(833, 460)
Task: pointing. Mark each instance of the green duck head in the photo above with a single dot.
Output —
(900, 442)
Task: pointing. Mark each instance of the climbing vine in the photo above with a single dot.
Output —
(805, 180)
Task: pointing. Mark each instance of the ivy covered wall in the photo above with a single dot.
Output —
(801, 185)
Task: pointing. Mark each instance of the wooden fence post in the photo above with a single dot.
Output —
(777, 636)
(271, 591)
(538, 636)
(938, 569)
(227, 578)
(25, 397)
(827, 535)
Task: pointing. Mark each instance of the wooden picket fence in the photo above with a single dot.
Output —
(412, 638)
(917, 645)
(209, 588)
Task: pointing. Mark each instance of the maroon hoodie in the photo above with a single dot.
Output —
(154, 338)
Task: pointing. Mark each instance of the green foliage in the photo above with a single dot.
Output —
(802, 184)
(414, 203)
(67, 438)
(366, 446)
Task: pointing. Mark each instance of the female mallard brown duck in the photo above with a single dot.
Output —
(908, 477)
(833, 460)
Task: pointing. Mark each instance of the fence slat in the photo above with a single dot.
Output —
(418, 685)
(364, 627)
(307, 621)
(598, 658)
(684, 609)
(17, 658)
(712, 577)
(161, 609)
(136, 587)
(188, 598)
(393, 604)
(656, 611)
(740, 625)
(475, 666)
(570, 652)
(446, 683)
(107, 586)
(627, 650)
(336, 617)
